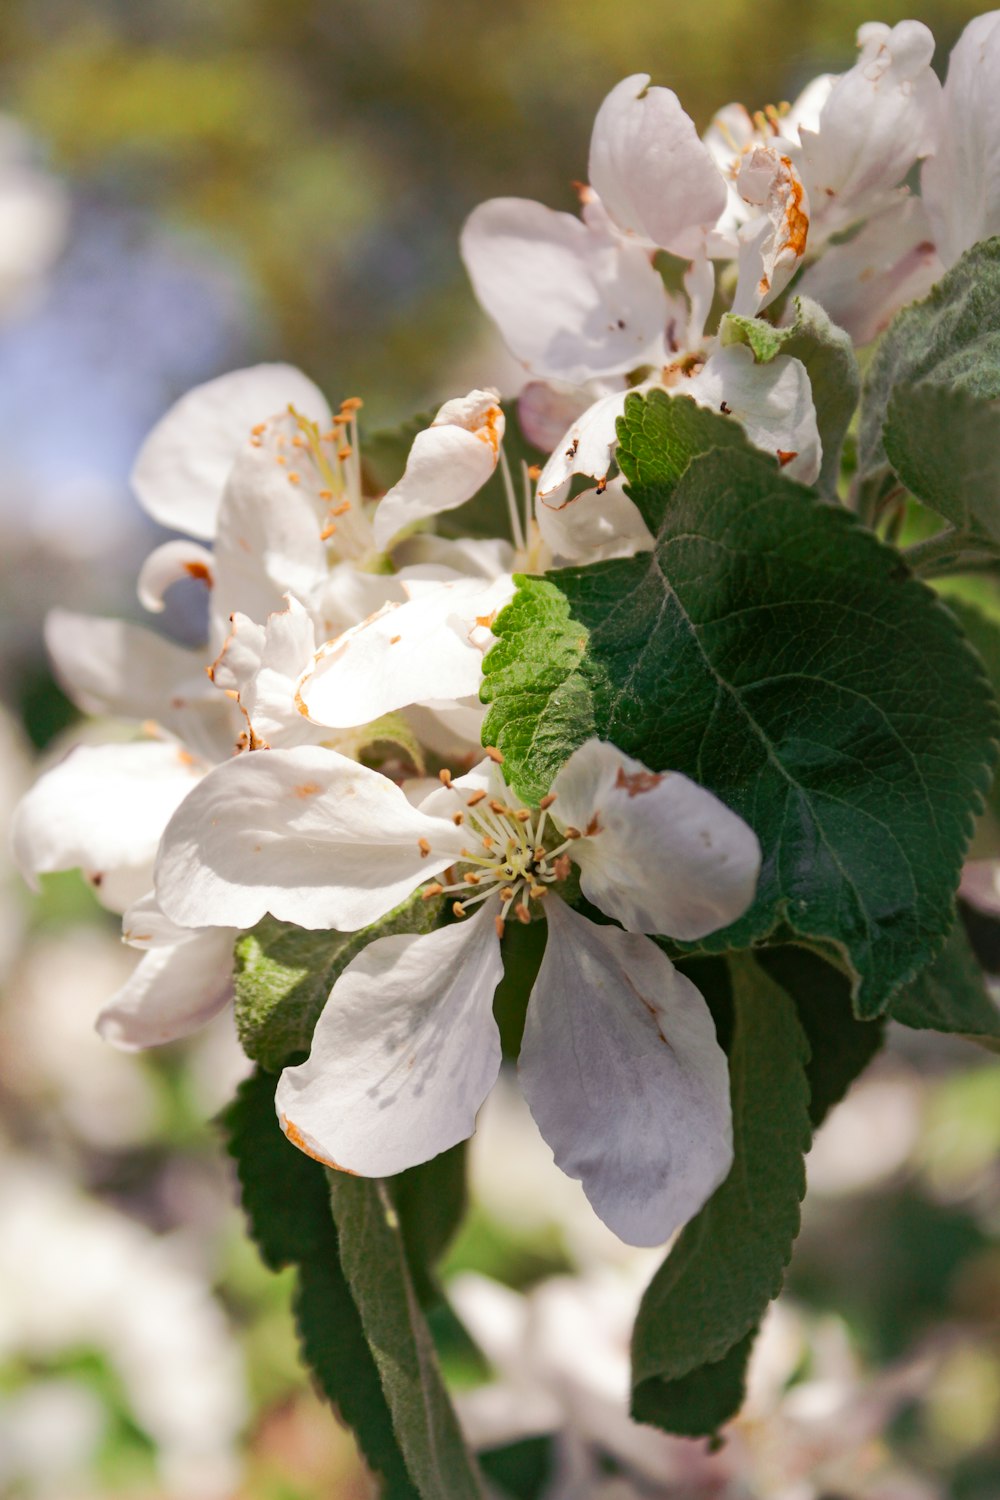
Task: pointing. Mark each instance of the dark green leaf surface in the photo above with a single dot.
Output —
(840, 1046)
(697, 1404)
(945, 447)
(729, 1262)
(950, 995)
(828, 355)
(982, 630)
(430, 1200)
(287, 1205)
(951, 338)
(377, 1269)
(774, 651)
(284, 975)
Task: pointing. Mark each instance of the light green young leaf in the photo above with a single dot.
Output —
(832, 366)
(703, 1305)
(951, 338)
(284, 975)
(776, 652)
(376, 1265)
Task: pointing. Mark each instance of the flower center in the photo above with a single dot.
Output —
(331, 462)
(506, 855)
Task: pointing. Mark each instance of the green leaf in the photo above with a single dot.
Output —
(697, 1404)
(287, 1206)
(829, 358)
(945, 447)
(951, 338)
(983, 633)
(539, 679)
(284, 975)
(430, 1200)
(377, 1268)
(840, 1046)
(951, 995)
(729, 1262)
(658, 436)
(777, 653)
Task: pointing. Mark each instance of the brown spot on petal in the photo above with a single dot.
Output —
(296, 1137)
(785, 456)
(307, 789)
(198, 570)
(637, 782)
(594, 826)
(796, 220)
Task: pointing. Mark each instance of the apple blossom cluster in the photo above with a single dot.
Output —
(278, 769)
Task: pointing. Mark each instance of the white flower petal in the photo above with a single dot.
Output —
(262, 665)
(404, 1054)
(348, 594)
(448, 462)
(772, 402)
(305, 834)
(772, 242)
(102, 810)
(879, 118)
(166, 566)
(960, 183)
(699, 284)
(441, 557)
(428, 650)
(268, 541)
(660, 853)
(593, 525)
(454, 733)
(173, 991)
(112, 667)
(569, 301)
(587, 447)
(144, 925)
(625, 1078)
(890, 262)
(546, 408)
(183, 465)
(654, 176)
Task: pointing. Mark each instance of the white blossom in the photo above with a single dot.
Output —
(960, 180)
(407, 1048)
